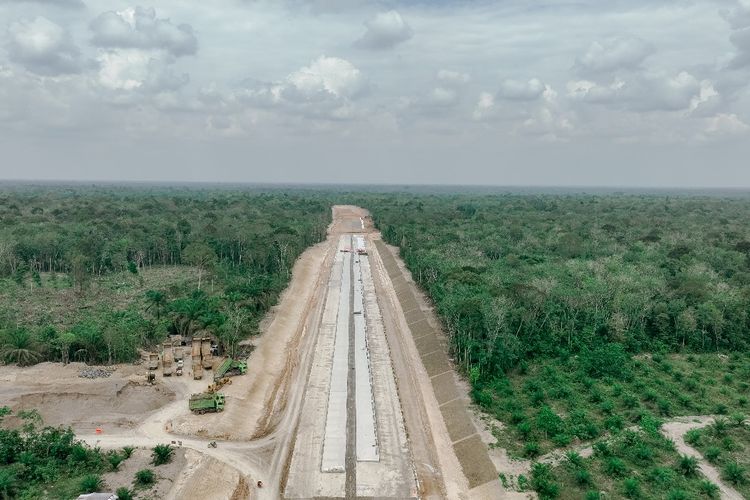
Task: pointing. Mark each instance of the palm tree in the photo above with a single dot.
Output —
(157, 301)
(18, 347)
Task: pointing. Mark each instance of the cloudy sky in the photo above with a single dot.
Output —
(507, 92)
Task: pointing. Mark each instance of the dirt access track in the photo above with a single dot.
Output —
(351, 356)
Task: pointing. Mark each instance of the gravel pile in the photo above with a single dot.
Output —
(95, 372)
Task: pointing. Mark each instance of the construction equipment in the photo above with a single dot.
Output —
(205, 402)
(153, 361)
(230, 367)
(151, 377)
(178, 369)
(167, 359)
(218, 384)
(179, 353)
(197, 367)
(206, 354)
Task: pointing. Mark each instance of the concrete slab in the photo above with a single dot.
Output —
(334, 442)
(436, 363)
(445, 387)
(476, 464)
(428, 344)
(457, 420)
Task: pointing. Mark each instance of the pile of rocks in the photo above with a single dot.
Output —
(95, 372)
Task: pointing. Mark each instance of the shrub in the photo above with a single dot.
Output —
(91, 483)
(606, 360)
(593, 495)
(738, 419)
(662, 476)
(693, 437)
(719, 427)
(688, 466)
(543, 481)
(524, 429)
(562, 439)
(631, 488)
(734, 473)
(531, 449)
(712, 454)
(615, 423)
(162, 454)
(677, 495)
(607, 407)
(127, 451)
(548, 421)
(583, 477)
(643, 453)
(575, 459)
(144, 477)
(629, 401)
(709, 489)
(115, 459)
(615, 467)
(601, 448)
(124, 494)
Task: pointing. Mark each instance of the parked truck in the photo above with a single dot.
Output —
(167, 359)
(205, 402)
(197, 368)
(230, 367)
(206, 353)
(178, 368)
(153, 361)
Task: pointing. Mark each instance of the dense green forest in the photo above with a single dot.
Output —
(586, 320)
(127, 266)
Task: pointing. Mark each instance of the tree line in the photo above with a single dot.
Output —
(245, 240)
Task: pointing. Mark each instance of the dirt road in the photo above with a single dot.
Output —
(392, 437)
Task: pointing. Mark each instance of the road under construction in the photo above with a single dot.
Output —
(349, 392)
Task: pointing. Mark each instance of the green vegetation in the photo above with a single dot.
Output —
(46, 462)
(578, 318)
(144, 477)
(162, 454)
(92, 274)
(726, 444)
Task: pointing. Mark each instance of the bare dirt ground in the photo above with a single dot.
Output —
(255, 434)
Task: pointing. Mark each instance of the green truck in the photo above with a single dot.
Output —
(206, 402)
(230, 367)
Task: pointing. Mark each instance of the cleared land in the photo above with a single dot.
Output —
(396, 438)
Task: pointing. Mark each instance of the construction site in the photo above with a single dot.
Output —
(348, 392)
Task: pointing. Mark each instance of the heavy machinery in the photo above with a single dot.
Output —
(218, 384)
(151, 377)
(206, 354)
(230, 367)
(153, 361)
(178, 368)
(197, 367)
(167, 359)
(205, 402)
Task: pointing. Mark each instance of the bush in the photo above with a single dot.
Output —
(91, 483)
(615, 467)
(593, 495)
(712, 454)
(662, 476)
(606, 360)
(574, 459)
(124, 494)
(583, 477)
(542, 481)
(677, 495)
(162, 454)
(127, 451)
(631, 488)
(688, 466)
(144, 477)
(115, 459)
(734, 473)
(709, 489)
(719, 427)
(531, 449)
(693, 437)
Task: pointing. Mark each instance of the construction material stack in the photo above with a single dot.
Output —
(205, 402)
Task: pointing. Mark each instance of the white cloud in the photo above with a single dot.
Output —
(43, 47)
(131, 69)
(330, 75)
(453, 78)
(442, 96)
(385, 31)
(139, 28)
(646, 93)
(726, 124)
(516, 90)
(613, 54)
(485, 106)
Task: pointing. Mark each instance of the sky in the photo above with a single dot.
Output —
(508, 92)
